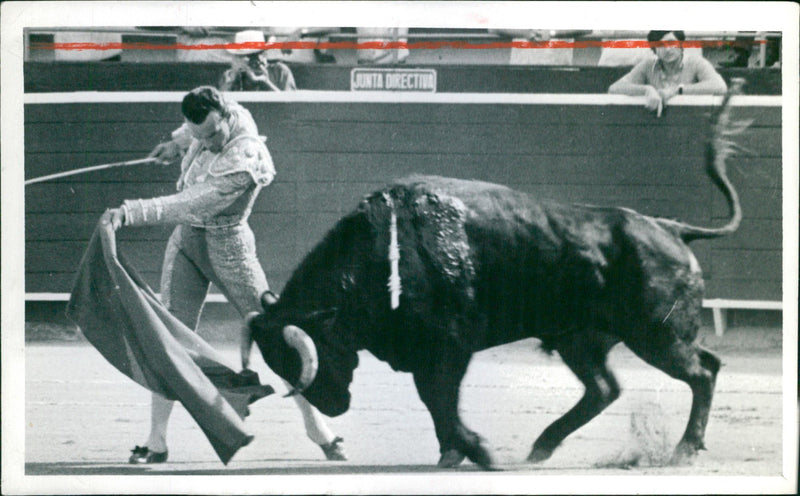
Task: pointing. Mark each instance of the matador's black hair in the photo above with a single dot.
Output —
(199, 102)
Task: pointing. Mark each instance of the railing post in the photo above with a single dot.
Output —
(720, 320)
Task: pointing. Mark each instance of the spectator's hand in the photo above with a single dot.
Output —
(260, 78)
(653, 100)
(166, 152)
(250, 74)
(667, 93)
(241, 66)
(227, 79)
(115, 217)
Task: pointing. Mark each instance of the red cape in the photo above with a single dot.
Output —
(121, 316)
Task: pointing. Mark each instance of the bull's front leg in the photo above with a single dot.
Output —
(438, 386)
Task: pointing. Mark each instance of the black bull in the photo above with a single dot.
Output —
(481, 265)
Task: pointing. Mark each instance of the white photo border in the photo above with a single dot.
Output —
(725, 16)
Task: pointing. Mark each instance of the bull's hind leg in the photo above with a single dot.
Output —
(586, 357)
(438, 386)
(698, 368)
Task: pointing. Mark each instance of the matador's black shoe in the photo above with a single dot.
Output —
(334, 450)
(142, 454)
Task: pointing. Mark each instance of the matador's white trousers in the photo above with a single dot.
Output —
(226, 256)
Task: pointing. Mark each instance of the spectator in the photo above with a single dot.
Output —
(540, 56)
(255, 69)
(222, 173)
(250, 71)
(753, 49)
(669, 74)
(629, 55)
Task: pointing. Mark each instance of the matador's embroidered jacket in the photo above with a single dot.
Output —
(214, 189)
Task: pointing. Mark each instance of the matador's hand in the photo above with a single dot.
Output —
(166, 152)
(115, 217)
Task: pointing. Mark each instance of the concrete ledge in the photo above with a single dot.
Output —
(211, 298)
(45, 319)
(395, 98)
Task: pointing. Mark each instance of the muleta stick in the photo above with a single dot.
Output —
(90, 169)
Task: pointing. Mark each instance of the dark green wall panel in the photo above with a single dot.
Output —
(463, 77)
(328, 155)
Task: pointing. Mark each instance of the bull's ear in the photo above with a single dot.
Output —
(268, 298)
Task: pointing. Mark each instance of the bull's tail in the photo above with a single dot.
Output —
(718, 148)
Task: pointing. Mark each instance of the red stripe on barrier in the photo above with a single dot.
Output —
(424, 45)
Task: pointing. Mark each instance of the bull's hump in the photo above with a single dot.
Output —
(460, 188)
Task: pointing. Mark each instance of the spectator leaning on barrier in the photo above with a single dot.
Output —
(255, 69)
(670, 73)
(222, 173)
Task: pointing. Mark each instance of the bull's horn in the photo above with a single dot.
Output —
(300, 341)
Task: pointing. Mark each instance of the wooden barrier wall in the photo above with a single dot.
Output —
(331, 151)
(168, 76)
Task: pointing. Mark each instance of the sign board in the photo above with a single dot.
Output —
(374, 79)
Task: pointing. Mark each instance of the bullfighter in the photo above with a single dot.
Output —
(222, 172)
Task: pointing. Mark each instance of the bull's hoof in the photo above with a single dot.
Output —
(684, 454)
(480, 456)
(450, 459)
(539, 455)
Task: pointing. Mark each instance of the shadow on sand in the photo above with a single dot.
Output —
(275, 467)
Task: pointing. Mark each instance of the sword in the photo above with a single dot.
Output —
(90, 169)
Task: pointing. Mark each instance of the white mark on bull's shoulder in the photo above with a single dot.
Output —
(395, 286)
(670, 311)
